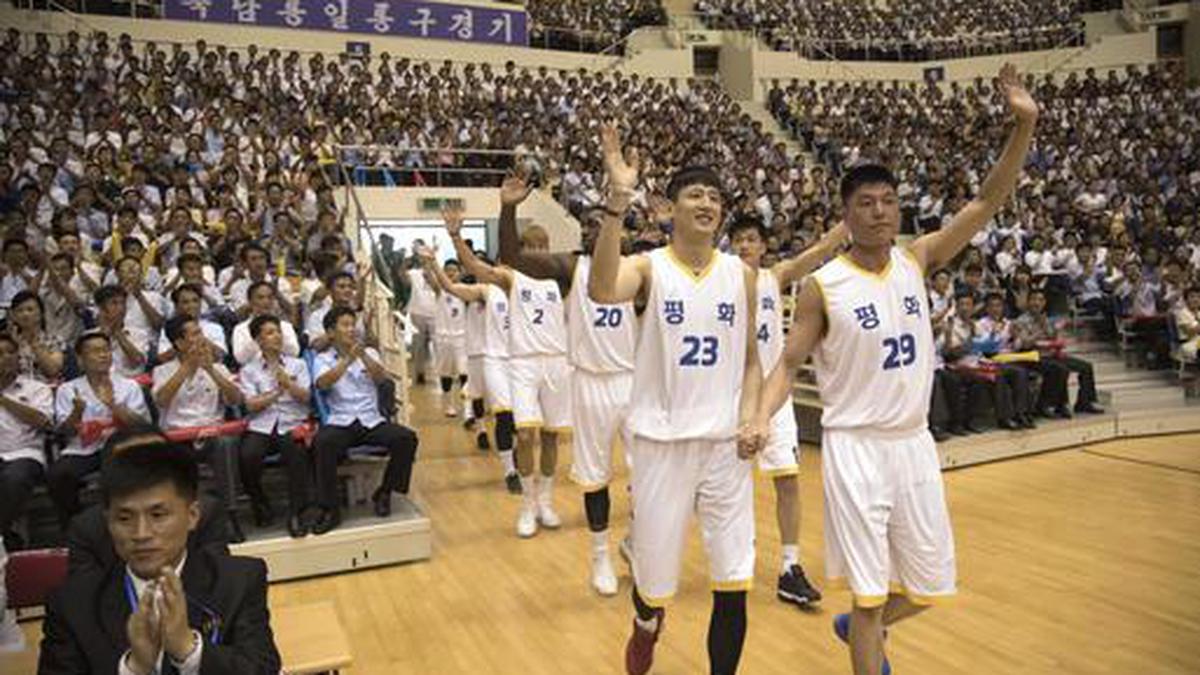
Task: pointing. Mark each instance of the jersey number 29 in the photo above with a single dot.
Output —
(901, 351)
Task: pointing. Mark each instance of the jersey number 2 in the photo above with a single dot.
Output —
(902, 351)
(701, 351)
(537, 316)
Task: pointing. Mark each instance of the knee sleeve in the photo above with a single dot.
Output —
(478, 408)
(726, 631)
(447, 383)
(505, 428)
(596, 505)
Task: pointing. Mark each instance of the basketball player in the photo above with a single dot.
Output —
(865, 319)
(450, 339)
(487, 363)
(538, 371)
(695, 383)
(780, 457)
(601, 342)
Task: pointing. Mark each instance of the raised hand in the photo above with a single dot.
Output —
(1020, 101)
(514, 190)
(621, 168)
(177, 637)
(453, 215)
(145, 634)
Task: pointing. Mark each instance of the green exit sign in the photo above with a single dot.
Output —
(437, 203)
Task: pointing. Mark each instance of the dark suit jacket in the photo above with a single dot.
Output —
(90, 545)
(84, 629)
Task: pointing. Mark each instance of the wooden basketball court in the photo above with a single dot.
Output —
(1078, 561)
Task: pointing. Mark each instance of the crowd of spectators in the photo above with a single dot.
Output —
(582, 25)
(912, 30)
(170, 256)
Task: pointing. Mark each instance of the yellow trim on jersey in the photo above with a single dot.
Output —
(878, 276)
(917, 598)
(497, 411)
(824, 298)
(587, 486)
(712, 263)
(913, 256)
(656, 603)
(559, 430)
(529, 425)
(780, 473)
(736, 585)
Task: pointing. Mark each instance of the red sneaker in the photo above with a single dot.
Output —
(639, 651)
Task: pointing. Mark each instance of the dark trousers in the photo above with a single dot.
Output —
(332, 442)
(221, 456)
(1087, 379)
(64, 479)
(946, 410)
(18, 477)
(255, 447)
(1053, 393)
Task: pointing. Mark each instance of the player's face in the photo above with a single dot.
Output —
(697, 210)
(873, 216)
(749, 246)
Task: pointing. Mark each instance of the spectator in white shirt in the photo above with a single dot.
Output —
(130, 353)
(86, 410)
(26, 413)
(1187, 321)
(17, 274)
(65, 298)
(349, 375)
(254, 267)
(343, 292)
(190, 269)
(146, 311)
(276, 388)
(188, 303)
(192, 391)
(261, 303)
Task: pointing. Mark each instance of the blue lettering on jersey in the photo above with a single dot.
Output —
(912, 306)
(725, 313)
(768, 304)
(867, 317)
(501, 307)
(673, 311)
(551, 296)
(526, 296)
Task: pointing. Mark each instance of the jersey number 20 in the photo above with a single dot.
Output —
(608, 317)
(701, 350)
(902, 351)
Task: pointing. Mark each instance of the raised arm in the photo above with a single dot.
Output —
(938, 248)
(614, 279)
(557, 266)
(464, 292)
(482, 271)
(795, 269)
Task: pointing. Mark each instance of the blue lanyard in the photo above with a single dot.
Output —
(210, 623)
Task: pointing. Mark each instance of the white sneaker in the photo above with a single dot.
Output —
(527, 521)
(547, 516)
(604, 580)
(451, 411)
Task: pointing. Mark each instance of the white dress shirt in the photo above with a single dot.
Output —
(285, 414)
(197, 403)
(354, 396)
(19, 440)
(245, 349)
(314, 325)
(126, 393)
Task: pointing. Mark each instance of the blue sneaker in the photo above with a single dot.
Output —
(841, 628)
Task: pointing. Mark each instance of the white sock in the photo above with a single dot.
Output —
(600, 543)
(648, 626)
(510, 465)
(546, 488)
(529, 489)
(791, 556)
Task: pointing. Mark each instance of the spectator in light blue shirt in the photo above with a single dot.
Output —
(349, 375)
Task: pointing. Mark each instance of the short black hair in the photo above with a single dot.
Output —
(189, 257)
(174, 327)
(106, 293)
(146, 465)
(993, 296)
(255, 286)
(256, 325)
(331, 318)
(186, 288)
(748, 222)
(866, 174)
(964, 294)
(693, 175)
(339, 274)
(253, 246)
(25, 296)
(88, 336)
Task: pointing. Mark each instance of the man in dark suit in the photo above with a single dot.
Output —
(161, 607)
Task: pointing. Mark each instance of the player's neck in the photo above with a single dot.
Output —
(695, 255)
(871, 259)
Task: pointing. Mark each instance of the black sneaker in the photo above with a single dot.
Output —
(481, 441)
(513, 482)
(794, 588)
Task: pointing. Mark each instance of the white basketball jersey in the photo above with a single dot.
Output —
(496, 322)
(769, 316)
(602, 337)
(875, 363)
(687, 383)
(450, 319)
(476, 327)
(538, 323)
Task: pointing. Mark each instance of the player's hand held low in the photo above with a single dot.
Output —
(752, 438)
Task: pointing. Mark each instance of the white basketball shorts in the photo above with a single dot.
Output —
(781, 457)
(541, 391)
(598, 406)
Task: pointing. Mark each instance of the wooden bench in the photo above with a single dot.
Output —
(310, 639)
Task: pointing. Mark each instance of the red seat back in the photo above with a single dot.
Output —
(32, 575)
